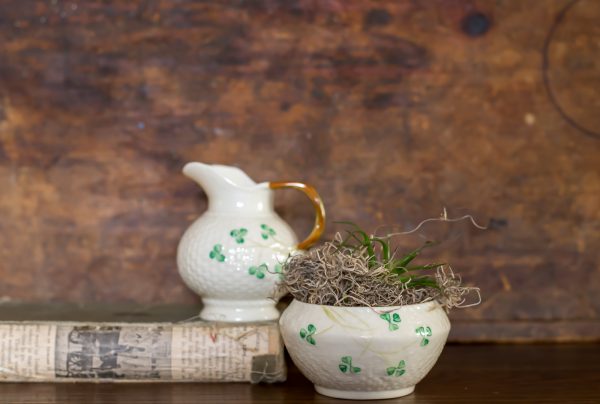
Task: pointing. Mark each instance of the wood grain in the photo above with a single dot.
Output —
(463, 374)
(391, 109)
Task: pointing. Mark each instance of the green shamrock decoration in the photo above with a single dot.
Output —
(238, 235)
(267, 231)
(392, 320)
(346, 365)
(258, 271)
(278, 270)
(217, 253)
(308, 333)
(424, 332)
(396, 370)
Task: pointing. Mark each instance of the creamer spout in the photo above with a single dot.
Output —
(220, 180)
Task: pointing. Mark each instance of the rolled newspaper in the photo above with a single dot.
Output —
(37, 351)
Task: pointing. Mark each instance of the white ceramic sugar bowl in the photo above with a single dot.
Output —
(361, 352)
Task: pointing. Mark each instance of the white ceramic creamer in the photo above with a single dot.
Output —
(232, 255)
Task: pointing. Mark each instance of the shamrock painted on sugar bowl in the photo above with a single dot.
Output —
(232, 254)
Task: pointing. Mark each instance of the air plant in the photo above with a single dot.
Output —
(377, 252)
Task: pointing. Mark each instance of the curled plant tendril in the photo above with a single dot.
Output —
(443, 218)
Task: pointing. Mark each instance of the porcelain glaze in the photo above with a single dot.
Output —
(364, 353)
(232, 254)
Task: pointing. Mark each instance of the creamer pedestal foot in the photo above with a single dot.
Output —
(234, 311)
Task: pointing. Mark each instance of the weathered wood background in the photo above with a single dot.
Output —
(392, 109)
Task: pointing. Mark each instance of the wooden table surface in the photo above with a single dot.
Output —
(464, 374)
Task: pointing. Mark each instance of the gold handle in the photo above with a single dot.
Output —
(314, 197)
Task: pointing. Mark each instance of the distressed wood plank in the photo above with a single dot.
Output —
(392, 109)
